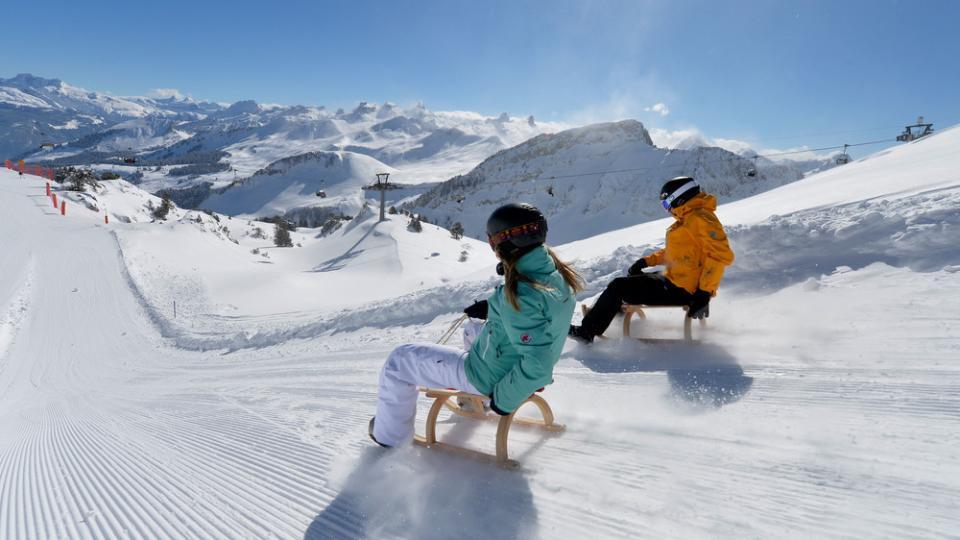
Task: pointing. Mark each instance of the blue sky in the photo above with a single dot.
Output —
(775, 74)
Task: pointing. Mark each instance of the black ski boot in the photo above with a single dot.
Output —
(372, 438)
(579, 334)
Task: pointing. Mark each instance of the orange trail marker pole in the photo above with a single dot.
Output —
(48, 189)
(63, 208)
(54, 201)
(106, 219)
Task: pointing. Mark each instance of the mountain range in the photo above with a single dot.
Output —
(309, 163)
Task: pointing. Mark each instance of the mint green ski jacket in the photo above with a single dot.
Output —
(514, 355)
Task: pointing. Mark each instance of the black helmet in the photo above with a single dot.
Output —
(678, 191)
(514, 229)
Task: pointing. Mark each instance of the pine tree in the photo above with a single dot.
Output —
(456, 231)
(281, 235)
(161, 211)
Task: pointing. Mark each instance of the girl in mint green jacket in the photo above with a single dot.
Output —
(528, 317)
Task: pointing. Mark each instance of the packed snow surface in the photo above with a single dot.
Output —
(822, 401)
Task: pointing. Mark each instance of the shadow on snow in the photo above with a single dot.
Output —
(413, 492)
(704, 375)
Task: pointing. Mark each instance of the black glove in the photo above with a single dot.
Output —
(699, 306)
(494, 408)
(478, 310)
(500, 270)
(637, 267)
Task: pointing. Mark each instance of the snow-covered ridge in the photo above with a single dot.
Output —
(319, 184)
(593, 179)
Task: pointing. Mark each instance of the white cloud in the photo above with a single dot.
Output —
(627, 96)
(672, 139)
(691, 137)
(165, 93)
(619, 106)
(659, 108)
(733, 145)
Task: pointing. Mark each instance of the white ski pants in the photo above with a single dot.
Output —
(410, 366)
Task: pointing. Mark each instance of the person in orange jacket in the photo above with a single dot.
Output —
(695, 255)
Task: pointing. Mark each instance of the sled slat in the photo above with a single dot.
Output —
(629, 310)
(445, 398)
(467, 452)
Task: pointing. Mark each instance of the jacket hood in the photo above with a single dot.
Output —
(700, 200)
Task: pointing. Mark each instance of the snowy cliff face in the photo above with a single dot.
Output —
(592, 179)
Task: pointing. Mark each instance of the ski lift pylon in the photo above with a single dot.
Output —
(915, 131)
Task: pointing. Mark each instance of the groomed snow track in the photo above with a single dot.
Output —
(109, 431)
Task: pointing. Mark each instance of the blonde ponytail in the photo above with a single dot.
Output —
(512, 278)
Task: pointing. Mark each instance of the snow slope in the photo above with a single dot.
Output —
(291, 185)
(822, 402)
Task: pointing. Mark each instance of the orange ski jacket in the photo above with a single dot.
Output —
(696, 250)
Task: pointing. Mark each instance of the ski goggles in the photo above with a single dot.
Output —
(667, 201)
(522, 230)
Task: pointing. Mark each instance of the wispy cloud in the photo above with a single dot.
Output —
(628, 96)
(165, 93)
(675, 138)
(618, 106)
(659, 108)
(692, 136)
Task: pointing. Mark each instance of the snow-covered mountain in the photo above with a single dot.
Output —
(253, 159)
(594, 179)
(307, 187)
(192, 149)
(35, 111)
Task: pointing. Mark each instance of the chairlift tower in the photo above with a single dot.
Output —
(381, 186)
(915, 131)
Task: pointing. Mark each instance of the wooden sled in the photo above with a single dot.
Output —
(449, 398)
(630, 309)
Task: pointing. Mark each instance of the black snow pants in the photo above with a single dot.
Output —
(652, 289)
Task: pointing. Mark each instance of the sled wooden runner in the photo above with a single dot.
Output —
(448, 399)
(629, 310)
